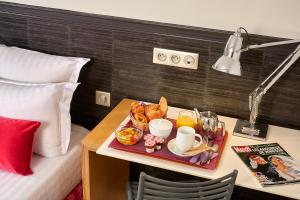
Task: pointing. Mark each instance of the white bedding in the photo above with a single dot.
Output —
(53, 178)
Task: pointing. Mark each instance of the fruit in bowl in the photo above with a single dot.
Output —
(141, 114)
(128, 135)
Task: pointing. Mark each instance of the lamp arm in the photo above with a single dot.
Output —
(281, 69)
(254, 100)
(256, 46)
(256, 95)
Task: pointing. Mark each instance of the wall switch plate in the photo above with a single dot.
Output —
(175, 58)
(103, 98)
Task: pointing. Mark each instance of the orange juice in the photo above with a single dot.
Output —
(185, 121)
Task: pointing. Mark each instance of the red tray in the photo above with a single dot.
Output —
(165, 154)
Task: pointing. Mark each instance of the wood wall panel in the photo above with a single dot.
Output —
(13, 29)
(121, 52)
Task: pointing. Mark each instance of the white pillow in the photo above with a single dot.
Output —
(32, 66)
(47, 103)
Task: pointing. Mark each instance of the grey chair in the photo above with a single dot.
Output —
(151, 188)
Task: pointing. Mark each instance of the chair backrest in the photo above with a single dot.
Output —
(151, 188)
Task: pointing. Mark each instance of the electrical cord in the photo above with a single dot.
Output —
(247, 35)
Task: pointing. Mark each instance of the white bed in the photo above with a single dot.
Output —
(53, 178)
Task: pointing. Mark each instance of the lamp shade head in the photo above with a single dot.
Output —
(229, 62)
(228, 65)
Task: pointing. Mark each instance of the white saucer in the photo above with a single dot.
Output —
(172, 147)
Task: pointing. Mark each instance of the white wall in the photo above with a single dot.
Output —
(279, 18)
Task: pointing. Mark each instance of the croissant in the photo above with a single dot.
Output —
(154, 114)
(137, 108)
(152, 111)
(140, 117)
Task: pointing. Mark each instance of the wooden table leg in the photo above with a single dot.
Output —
(106, 177)
(85, 173)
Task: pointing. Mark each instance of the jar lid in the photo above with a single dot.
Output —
(150, 143)
(148, 136)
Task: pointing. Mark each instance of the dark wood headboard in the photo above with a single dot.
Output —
(121, 53)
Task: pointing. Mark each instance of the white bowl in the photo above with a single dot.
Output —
(160, 127)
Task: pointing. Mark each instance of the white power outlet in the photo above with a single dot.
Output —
(175, 58)
(103, 98)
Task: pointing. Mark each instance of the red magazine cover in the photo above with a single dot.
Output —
(269, 163)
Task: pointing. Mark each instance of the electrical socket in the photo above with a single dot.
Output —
(102, 98)
(161, 56)
(175, 58)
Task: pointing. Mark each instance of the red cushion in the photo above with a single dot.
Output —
(16, 140)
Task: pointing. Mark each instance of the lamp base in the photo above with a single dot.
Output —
(258, 132)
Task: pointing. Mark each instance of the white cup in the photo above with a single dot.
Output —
(185, 139)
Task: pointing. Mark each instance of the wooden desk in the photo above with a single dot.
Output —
(97, 170)
(111, 165)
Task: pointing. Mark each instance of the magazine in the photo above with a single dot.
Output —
(269, 163)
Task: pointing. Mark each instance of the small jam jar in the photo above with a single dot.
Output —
(150, 146)
(159, 142)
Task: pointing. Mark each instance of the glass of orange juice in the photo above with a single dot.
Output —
(186, 118)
